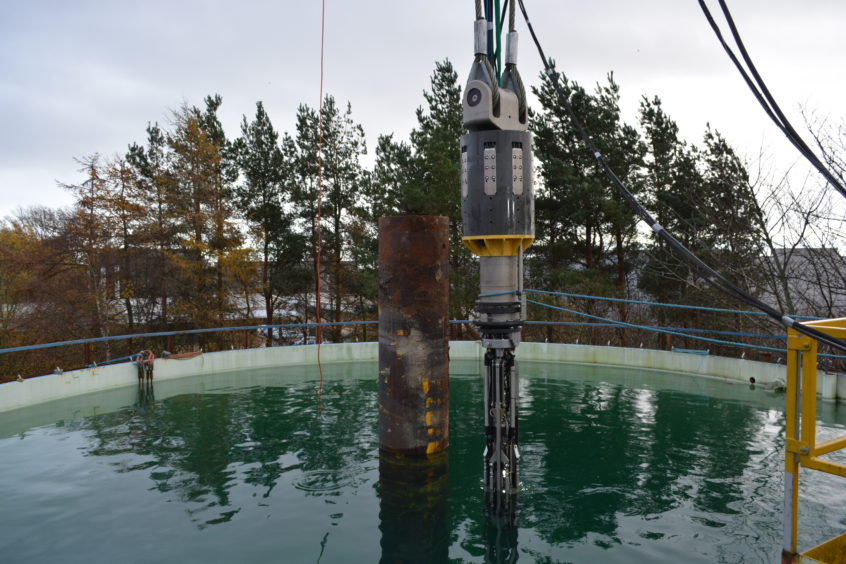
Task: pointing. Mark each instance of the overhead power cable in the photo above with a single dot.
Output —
(765, 98)
(706, 272)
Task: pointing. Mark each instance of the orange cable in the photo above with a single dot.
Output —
(319, 332)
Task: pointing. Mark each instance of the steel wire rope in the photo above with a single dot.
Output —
(515, 80)
(709, 274)
(485, 59)
(763, 95)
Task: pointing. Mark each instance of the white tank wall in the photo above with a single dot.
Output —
(14, 395)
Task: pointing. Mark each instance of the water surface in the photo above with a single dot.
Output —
(617, 466)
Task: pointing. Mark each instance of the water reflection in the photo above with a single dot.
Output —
(602, 454)
(146, 400)
(413, 508)
(609, 472)
(501, 529)
(198, 447)
(606, 451)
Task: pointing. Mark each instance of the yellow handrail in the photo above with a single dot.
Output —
(802, 449)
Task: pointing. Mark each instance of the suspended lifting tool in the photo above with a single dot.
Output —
(497, 207)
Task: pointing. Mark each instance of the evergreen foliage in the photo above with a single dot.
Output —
(422, 177)
(194, 229)
(264, 197)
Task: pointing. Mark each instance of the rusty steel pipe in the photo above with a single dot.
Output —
(413, 334)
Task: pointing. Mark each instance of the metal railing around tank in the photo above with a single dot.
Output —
(87, 353)
(718, 337)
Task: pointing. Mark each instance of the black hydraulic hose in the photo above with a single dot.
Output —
(758, 80)
(736, 61)
(766, 91)
(712, 276)
(764, 96)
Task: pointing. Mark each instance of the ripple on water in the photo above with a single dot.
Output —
(611, 472)
(324, 481)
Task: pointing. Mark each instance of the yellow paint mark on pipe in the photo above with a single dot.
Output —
(402, 332)
(428, 418)
(425, 383)
(430, 402)
(432, 448)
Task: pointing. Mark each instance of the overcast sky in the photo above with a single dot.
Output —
(79, 77)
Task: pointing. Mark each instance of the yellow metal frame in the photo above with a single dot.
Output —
(498, 245)
(802, 448)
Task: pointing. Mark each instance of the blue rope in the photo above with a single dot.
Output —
(183, 332)
(614, 323)
(657, 330)
(683, 329)
(115, 360)
(570, 323)
(492, 294)
(605, 322)
(682, 332)
(656, 304)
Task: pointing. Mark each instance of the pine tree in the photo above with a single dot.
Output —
(422, 177)
(733, 226)
(202, 170)
(677, 197)
(703, 197)
(343, 181)
(158, 230)
(263, 198)
(125, 205)
(586, 232)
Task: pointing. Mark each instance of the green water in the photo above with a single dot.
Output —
(617, 466)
